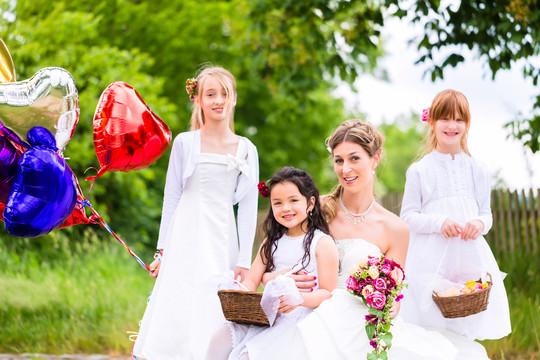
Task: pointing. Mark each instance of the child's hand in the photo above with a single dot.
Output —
(240, 271)
(286, 308)
(154, 268)
(451, 229)
(472, 230)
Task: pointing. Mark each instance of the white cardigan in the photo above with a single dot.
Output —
(420, 188)
(183, 160)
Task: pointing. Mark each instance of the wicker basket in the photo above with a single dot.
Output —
(463, 305)
(243, 307)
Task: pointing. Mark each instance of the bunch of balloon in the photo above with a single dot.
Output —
(38, 190)
(37, 119)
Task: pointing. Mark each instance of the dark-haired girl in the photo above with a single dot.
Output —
(296, 233)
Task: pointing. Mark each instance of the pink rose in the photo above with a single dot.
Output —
(367, 290)
(376, 300)
(379, 284)
(386, 269)
(352, 283)
(397, 275)
(373, 261)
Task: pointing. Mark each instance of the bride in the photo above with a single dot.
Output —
(361, 227)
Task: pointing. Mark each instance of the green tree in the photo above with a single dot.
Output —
(402, 146)
(503, 33)
(286, 58)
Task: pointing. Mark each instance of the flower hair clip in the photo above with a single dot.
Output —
(425, 114)
(191, 88)
(263, 189)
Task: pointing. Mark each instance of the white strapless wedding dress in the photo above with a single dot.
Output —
(336, 329)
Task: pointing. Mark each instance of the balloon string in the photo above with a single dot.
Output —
(102, 222)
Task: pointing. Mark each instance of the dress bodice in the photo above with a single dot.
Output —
(350, 253)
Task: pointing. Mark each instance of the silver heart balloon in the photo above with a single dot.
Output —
(48, 99)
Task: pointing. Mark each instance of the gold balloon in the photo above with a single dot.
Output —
(7, 69)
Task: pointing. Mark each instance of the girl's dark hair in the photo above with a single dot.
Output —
(274, 230)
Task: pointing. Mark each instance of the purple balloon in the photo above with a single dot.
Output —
(43, 193)
(9, 157)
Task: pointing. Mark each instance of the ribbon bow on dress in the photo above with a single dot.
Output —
(235, 163)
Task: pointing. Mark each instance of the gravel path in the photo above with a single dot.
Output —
(61, 357)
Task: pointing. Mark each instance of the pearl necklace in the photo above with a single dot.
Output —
(356, 218)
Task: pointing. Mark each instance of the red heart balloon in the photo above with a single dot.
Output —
(127, 134)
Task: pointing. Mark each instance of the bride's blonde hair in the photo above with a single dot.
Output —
(357, 132)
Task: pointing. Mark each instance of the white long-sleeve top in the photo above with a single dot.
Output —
(438, 187)
(183, 160)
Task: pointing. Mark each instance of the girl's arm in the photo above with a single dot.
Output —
(173, 190)
(247, 211)
(254, 275)
(483, 197)
(328, 267)
(411, 208)
(303, 281)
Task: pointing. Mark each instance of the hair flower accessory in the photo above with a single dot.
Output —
(191, 88)
(425, 114)
(263, 189)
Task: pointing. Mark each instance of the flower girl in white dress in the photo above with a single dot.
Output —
(210, 170)
(446, 204)
(361, 227)
(296, 233)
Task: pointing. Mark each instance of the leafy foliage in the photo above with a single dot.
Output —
(403, 139)
(286, 57)
(503, 33)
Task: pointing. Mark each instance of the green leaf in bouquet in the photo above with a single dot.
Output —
(381, 356)
(370, 330)
(373, 311)
(387, 338)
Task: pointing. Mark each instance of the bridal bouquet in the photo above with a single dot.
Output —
(377, 281)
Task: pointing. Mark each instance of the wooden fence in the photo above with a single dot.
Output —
(516, 219)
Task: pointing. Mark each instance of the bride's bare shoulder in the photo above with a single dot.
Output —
(394, 225)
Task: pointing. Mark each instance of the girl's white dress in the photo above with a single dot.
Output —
(254, 339)
(336, 329)
(184, 310)
(438, 187)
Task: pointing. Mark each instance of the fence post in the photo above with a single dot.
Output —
(525, 221)
(534, 233)
(502, 221)
(494, 233)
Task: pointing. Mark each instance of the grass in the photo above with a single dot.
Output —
(84, 295)
(84, 302)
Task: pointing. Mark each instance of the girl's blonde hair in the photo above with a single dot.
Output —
(447, 104)
(227, 80)
(357, 132)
